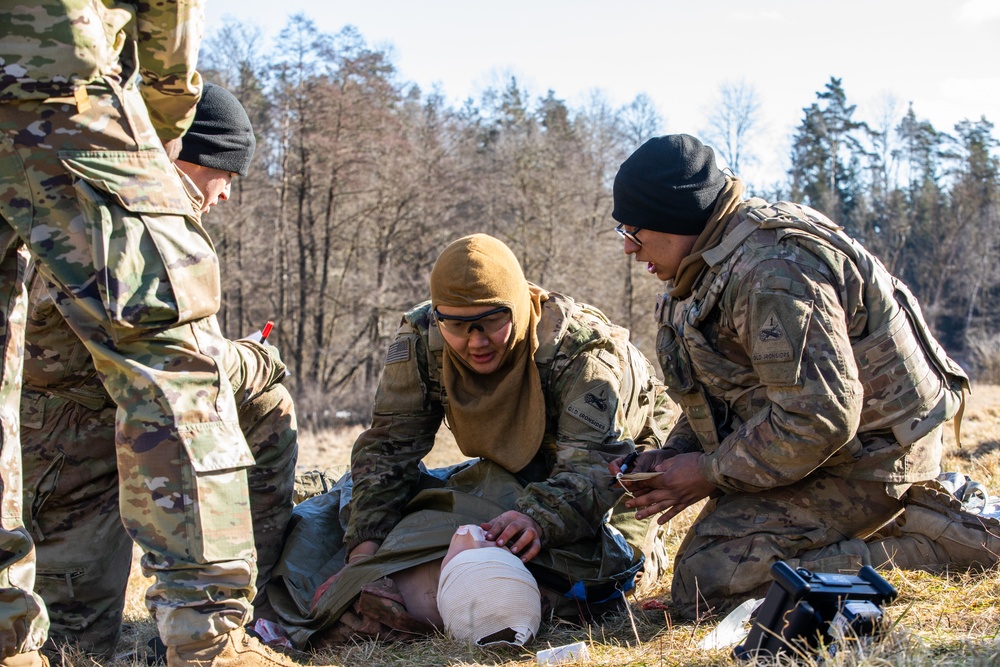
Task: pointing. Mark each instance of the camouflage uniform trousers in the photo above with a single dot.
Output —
(71, 507)
(89, 190)
(818, 523)
(23, 621)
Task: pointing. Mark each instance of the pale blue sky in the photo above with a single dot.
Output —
(943, 55)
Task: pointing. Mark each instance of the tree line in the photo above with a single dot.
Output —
(360, 179)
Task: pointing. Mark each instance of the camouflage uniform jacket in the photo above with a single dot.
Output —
(56, 363)
(797, 350)
(601, 396)
(53, 48)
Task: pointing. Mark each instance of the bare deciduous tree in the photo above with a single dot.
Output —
(361, 179)
(732, 123)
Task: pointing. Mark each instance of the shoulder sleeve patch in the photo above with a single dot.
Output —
(777, 337)
(596, 408)
(770, 341)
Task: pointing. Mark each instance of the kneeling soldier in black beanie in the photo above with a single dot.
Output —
(813, 393)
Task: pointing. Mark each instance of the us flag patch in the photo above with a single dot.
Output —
(398, 351)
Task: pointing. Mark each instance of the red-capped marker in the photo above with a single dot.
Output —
(266, 331)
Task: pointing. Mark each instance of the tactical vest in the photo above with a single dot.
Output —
(559, 312)
(910, 384)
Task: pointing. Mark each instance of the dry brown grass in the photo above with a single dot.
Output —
(942, 620)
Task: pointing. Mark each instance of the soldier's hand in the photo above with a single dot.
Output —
(518, 532)
(646, 461)
(679, 486)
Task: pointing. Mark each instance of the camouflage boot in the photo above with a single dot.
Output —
(935, 532)
(31, 659)
(234, 649)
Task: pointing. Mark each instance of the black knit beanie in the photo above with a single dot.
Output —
(669, 184)
(221, 136)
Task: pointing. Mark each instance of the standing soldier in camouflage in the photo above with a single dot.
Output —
(813, 393)
(70, 472)
(87, 186)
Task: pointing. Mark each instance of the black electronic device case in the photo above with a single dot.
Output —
(803, 607)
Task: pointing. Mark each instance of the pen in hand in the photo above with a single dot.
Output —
(626, 464)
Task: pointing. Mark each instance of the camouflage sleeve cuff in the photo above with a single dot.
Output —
(252, 368)
(541, 519)
(709, 466)
(170, 35)
(681, 445)
(558, 528)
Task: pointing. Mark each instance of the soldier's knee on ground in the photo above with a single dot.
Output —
(717, 579)
(313, 483)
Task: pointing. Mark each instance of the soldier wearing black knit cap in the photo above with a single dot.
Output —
(218, 147)
(813, 393)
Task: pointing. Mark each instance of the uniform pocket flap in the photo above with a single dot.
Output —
(201, 441)
(135, 179)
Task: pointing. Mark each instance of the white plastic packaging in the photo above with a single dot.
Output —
(561, 654)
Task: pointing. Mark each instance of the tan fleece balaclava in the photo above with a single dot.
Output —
(500, 416)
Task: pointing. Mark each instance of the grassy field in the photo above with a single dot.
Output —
(939, 620)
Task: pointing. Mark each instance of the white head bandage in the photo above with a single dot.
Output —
(484, 591)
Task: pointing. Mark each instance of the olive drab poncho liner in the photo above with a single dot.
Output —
(584, 573)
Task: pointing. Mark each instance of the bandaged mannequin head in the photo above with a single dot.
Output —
(485, 593)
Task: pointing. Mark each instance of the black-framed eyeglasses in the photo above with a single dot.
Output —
(627, 235)
(489, 322)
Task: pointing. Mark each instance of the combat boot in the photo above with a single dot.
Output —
(30, 659)
(234, 649)
(935, 531)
